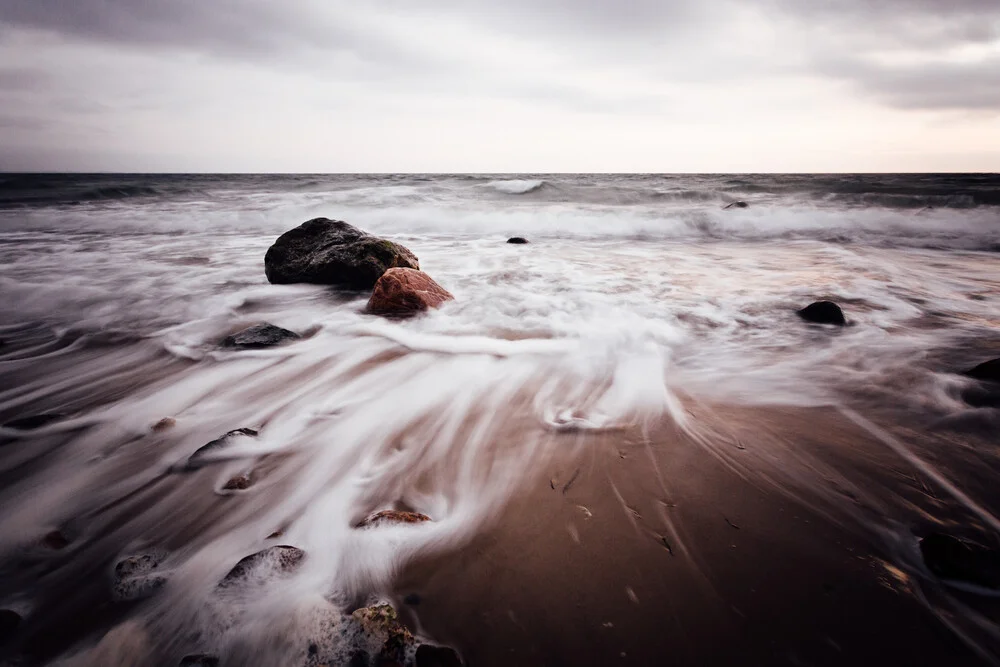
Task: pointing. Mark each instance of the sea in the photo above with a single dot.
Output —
(636, 297)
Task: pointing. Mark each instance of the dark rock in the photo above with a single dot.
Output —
(517, 240)
(823, 312)
(736, 204)
(137, 576)
(197, 459)
(413, 599)
(957, 560)
(260, 336)
(332, 252)
(988, 371)
(281, 558)
(33, 422)
(164, 424)
(9, 623)
(403, 292)
(381, 621)
(393, 516)
(55, 540)
(429, 655)
(240, 482)
(199, 660)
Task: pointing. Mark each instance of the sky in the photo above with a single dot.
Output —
(500, 85)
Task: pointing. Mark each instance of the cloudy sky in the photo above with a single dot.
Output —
(500, 85)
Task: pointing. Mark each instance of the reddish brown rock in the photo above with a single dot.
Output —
(164, 424)
(405, 292)
(393, 516)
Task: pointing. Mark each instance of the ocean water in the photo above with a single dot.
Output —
(636, 295)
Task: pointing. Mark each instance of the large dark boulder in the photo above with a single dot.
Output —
(9, 622)
(988, 371)
(259, 336)
(332, 252)
(823, 312)
(402, 292)
(517, 240)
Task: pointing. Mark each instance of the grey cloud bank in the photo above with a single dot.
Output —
(549, 85)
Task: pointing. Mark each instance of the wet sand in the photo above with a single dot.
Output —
(633, 552)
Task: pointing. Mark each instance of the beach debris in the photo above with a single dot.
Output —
(572, 479)
(731, 524)
(332, 252)
(666, 545)
(988, 371)
(552, 483)
(33, 422)
(736, 204)
(631, 594)
(10, 621)
(517, 240)
(164, 424)
(823, 312)
(400, 292)
(633, 511)
(277, 559)
(586, 512)
(208, 453)
(259, 336)
(392, 516)
(963, 563)
(138, 576)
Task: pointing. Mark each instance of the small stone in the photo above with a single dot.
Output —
(137, 577)
(260, 336)
(164, 424)
(240, 482)
(55, 540)
(517, 240)
(823, 312)
(393, 516)
(196, 460)
(281, 558)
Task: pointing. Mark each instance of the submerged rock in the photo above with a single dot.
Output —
(55, 540)
(138, 576)
(393, 516)
(517, 240)
(10, 621)
(988, 371)
(201, 455)
(406, 291)
(199, 660)
(956, 560)
(823, 312)
(164, 424)
(259, 336)
(736, 204)
(240, 482)
(33, 422)
(332, 252)
(281, 558)
(381, 623)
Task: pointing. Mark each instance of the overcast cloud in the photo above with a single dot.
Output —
(519, 85)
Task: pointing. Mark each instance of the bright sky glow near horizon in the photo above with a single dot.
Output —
(513, 86)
